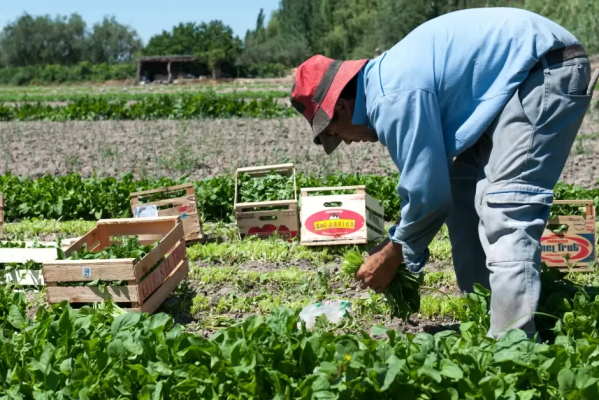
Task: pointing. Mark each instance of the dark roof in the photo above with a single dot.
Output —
(166, 58)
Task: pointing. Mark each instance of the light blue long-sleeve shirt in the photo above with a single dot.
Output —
(434, 94)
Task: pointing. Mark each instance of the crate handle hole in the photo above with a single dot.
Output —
(333, 204)
(558, 228)
(268, 217)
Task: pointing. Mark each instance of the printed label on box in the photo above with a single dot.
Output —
(580, 248)
(86, 272)
(146, 211)
(334, 222)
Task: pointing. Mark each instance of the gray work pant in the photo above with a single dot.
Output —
(503, 189)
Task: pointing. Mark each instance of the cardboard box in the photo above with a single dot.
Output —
(577, 242)
(146, 288)
(340, 219)
(185, 207)
(266, 218)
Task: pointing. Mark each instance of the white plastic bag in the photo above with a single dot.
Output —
(334, 310)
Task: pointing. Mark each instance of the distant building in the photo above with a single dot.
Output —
(164, 68)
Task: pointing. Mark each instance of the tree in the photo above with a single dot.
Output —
(213, 43)
(111, 42)
(218, 46)
(43, 41)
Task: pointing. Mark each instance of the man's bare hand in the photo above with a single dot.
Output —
(379, 269)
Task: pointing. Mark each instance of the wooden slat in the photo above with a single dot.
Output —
(86, 294)
(135, 221)
(19, 255)
(573, 202)
(161, 190)
(150, 226)
(90, 238)
(257, 204)
(331, 188)
(157, 277)
(154, 301)
(106, 270)
(267, 168)
(166, 202)
(24, 277)
(566, 219)
(165, 245)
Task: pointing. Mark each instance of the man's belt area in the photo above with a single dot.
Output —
(558, 56)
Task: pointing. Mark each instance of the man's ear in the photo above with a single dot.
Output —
(343, 108)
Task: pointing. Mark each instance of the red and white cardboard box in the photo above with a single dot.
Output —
(577, 242)
(340, 219)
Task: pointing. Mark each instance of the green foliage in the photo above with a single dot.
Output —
(71, 197)
(271, 187)
(20, 97)
(184, 106)
(42, 40)
(104, 353)
(128, 248)
(345, 29)
(53, 74)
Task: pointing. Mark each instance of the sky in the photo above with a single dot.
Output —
(148, 17)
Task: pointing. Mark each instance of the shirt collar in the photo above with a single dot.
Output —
(360, 116)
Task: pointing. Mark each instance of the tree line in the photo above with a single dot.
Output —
(51, 49)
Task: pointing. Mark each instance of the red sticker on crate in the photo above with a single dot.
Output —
(555, 247)
(337, 222)
(269, 230)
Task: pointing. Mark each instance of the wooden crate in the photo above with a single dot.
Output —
(340, 219)
(578, 241)
(255, 219)
(25, 277)
(186, 207)
(144, 293)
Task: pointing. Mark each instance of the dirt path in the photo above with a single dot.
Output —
(206, 148)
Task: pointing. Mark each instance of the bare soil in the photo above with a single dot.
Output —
(207, 148)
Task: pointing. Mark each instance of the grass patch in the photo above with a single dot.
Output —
(440, 247)
(440, 278)
(33, 229)
(270, 250)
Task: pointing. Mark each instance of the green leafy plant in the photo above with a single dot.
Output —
(271, 187)
(72, 197)
(181, 107)
(129, 247)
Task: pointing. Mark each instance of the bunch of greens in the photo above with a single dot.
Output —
(271, 187)
(403, 294)
(129, 247)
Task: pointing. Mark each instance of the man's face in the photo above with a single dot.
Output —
(342, 127)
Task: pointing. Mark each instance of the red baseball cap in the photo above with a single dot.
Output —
(318, 83)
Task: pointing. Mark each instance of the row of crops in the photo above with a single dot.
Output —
(129, 96)
(180, 107)
(102, 352)
(73, 197)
